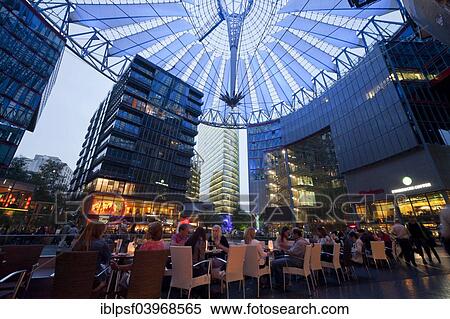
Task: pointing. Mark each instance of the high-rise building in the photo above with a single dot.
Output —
(136, 158)
(193, 184)
(34, 165)
(219, 182)
(380, 136)
(30, 52)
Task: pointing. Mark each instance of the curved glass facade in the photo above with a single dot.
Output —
(387, 119)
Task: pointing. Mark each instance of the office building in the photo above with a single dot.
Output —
(34, 165)
(193, 183)
(136, 158)
(219, 182)
(380, 136)
(30, 52)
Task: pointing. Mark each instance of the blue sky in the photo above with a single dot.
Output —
(77, 92)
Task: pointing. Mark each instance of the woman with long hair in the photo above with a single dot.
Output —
(282, 241)
(198, 243)
(91, 240)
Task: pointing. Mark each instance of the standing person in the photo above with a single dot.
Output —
(282, 242)
(430, 244)
(401, 235)
(295, 259)
(445, 228)
(180, 238)
(71, 234)
(249, 239)
(417, 237)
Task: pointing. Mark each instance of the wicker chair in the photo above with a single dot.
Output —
(74, 275)
(18, 258)
(147, 274)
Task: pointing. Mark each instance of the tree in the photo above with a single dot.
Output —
(241, 219)
(48, 181)
(17, 170)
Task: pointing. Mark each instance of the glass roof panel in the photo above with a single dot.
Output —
(264, 51)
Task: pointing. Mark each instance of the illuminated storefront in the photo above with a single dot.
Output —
(109, 207)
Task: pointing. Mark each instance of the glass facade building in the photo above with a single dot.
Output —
(219, 182)
(387, 119)
(139, 145)
(304, 176)
(193, 184)
(30, 53)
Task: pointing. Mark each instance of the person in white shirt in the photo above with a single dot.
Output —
(401, 235)
(249, 239)
(357, 249)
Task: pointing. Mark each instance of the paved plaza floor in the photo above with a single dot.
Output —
(423, 281)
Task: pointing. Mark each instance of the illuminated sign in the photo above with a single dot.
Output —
(407, 181)
(162, 183)
(410, 188)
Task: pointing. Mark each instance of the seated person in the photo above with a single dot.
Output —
(219, 241)
(282, 242)
(198, 243)
(357, 249)
(91, 240)
(249, 239)
(295, 256)
(154, 242)
(180, 238)
(154, 238)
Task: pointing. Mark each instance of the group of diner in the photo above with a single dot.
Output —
(288, 250)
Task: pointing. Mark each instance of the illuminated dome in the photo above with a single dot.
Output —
(255, 60)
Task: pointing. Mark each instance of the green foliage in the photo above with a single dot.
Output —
(241, 219)
(47, 181)
(17, 170)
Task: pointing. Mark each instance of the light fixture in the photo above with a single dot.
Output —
(407, 180)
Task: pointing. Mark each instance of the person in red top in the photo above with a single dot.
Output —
(154, 242)
(180, 238)
(154, 238)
